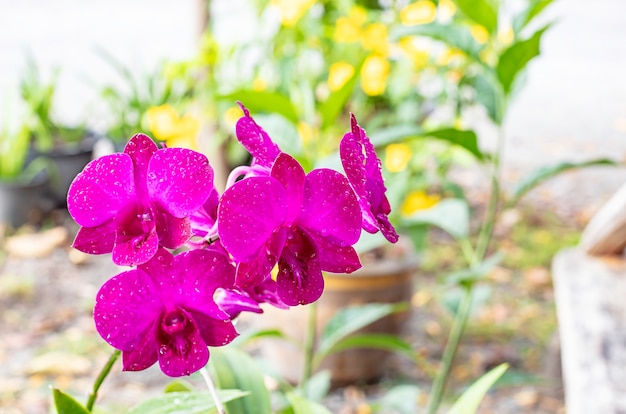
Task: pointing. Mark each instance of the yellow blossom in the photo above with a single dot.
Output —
(397, 157)
(292, 10)
(480, 33)
(305, 131)
(420, 12)
(506, 35)
(166, 125)
(339, 73)
(259, 84)
(445, 10)
(232, 115)
(418, 54)
(374, 74)
(417, 201)
(375, 38)
(349, 28)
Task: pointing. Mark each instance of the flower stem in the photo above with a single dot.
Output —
(209, 383)
(100, 379)
(309, 344)
(456, 332)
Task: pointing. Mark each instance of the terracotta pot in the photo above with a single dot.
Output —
(386, 280)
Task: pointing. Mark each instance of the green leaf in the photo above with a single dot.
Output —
(455, 36)
(264, 101)
(185, 402)
(334, 105)
(535, 7)
(234, 368)
(544, 173)
(480, 11)
(282, 131)
(249, 336)
(400, 399)
(301, 405)
(475, 273)
(516, 57)
(385, 342)
(179, 385)
(349, 320)
(489, 95)
(451, 215)
(466, 139)
(317, 387)
(65, 404)
(470, 400)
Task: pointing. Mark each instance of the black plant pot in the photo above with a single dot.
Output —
(23, 202)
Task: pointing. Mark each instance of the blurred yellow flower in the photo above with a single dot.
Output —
(292, 10)
(446, 10)
(420, 12)
(418, 54)
(232, 115)
(506, 35)
(305, 131)
(480, 33)
(175, 131)
(375, 38)
(349, 28)
(397, 157)
(374, 74)
(339, 73)
(259, 84)
(417, 201)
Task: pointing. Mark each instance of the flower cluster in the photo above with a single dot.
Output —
(266, 239)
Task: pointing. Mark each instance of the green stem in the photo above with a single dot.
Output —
(462, 315)
(309, 344)
(101, 377)
(456, 332)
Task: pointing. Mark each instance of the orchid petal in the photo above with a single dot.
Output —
(180, 180)
(126, 307)
(137, 240)
(144, 355)
(173, 232)
(299, 280)
(96, 240)
(140, 149)
(182, 353)
(249, 213)
(256, 140)
(253, 272)
(101, 189)
(214, 332)
(330, 208)
(335, 258)
(291, 175)
(233, 302)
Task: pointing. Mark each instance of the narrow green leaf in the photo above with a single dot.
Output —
(544, 173)
(235, 369)
(477, 272)
(65, 404)
(516, 57)
(451, 215)
(178, 385)
(185, 402)
(489, 94)
(455, 36)
(535, 7)
(317, 387)
(252, 335)
(301, 405)
(480, 11)
(264, 101)
(351, 319)
(385, 342)
(470, 400)
(466, 139)
(333, 106)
